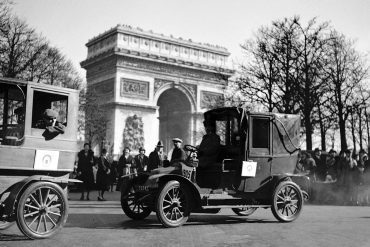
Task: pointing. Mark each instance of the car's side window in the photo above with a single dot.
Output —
(261, 133)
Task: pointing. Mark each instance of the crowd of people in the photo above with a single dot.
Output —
(342, 178)
(111, 173)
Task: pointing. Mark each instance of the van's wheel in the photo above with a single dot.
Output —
(246, 211)
(287, 201)
(42, 210)
(132, 206)
(173, 204)
(5, 224)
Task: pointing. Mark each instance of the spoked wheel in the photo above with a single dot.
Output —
(173, 204)
(246, 211)
(5, 224)
(42, 210)
(287, 201)
(132, 206)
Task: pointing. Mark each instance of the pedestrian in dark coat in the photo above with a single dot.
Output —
(85, 173)
(126, 166)
(103, 175)
(141, 161)
(157, 158)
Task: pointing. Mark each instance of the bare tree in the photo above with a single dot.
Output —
(345, 70)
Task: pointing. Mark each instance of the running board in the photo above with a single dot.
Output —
(236, 206)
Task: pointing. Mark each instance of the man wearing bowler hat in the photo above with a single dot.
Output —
(157, 157)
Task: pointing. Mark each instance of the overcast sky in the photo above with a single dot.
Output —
(69, 24)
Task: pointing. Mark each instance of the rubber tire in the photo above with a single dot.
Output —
(6, 224)
(22, 201)
(241, 212)
(128, 211)
(160, 199)
(274, 207)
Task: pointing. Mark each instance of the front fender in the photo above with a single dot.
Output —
(193, 188)
(16, 189)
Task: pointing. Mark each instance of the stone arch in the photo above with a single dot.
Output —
(191, 98)
(175, 116)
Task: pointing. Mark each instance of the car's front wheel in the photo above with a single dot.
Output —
(173, 204)
(287, 201)
(133, 206)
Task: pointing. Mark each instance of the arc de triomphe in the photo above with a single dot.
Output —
(153, 87)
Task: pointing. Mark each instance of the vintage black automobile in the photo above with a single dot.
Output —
(36, 156)
(255, 169)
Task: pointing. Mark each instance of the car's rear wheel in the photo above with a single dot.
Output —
(287, 201)
(133, 206)
(173, 204)
(246, 211)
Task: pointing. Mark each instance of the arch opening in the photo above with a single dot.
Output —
(175, 117)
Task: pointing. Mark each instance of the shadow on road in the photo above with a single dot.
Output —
(12, 237)
(119, 221)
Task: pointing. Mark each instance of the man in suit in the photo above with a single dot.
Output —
(141, 161)
(157, 158)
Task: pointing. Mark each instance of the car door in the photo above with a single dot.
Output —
(259, 151)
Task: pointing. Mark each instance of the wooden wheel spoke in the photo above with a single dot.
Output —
(33, 221)
(51, 200)
(45, 224)
(31, 214)
(34, 200)
(30, 206)
(55, 206)
(38, 224)
(46, 196)
(281, 198)
(51, 220)
(54, 213)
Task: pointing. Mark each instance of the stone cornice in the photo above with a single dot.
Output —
(126, 29)
(159, 59)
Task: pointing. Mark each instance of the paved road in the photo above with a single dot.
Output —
(104, 224)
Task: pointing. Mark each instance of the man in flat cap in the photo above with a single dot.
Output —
(178, 154)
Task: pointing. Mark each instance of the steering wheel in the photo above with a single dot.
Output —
(190, 148)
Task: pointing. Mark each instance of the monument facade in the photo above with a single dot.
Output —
(153, 87)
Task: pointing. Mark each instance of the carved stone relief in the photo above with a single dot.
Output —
(134, 88)
(210, 99)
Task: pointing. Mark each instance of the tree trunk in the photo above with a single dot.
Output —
(359, 112)
(353, 131)
(368, 131)
(308, 127)
(322, 131)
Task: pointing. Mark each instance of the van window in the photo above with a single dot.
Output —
(43, 101)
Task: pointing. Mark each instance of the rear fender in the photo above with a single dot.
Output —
(194, 191)
(16, 190)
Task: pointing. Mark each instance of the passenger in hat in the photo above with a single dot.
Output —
(157, 158)
(178, 153)
(51, 125)
(141, 160)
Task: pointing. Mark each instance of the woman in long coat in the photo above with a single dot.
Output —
(103, 175)
(85, 170)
